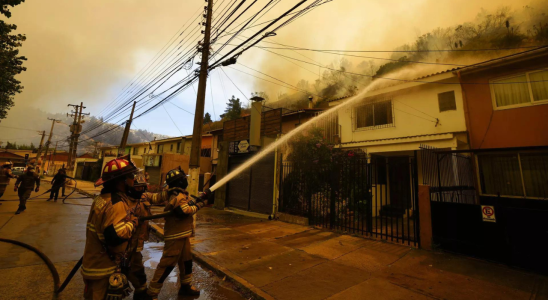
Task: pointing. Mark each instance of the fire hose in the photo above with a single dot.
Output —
(58, 287)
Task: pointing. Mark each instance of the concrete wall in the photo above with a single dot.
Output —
(414, 111)
(500, 128)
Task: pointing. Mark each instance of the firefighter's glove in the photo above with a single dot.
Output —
(37, 189)
(205, 196)
(133, 219)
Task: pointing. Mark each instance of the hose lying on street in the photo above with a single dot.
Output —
(57, 287)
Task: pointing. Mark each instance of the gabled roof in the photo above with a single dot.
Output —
(7, 154)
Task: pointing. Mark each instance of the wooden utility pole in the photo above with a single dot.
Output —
(52, 157)
(195, 151)
(96, 153)
(123, 143)
(49, 141)
(75, 129)
(39, 152)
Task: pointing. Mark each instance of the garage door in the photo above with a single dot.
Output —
(252, 189)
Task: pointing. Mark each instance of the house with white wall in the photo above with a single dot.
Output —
(389, 123)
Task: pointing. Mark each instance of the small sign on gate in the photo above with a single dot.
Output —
(488, 213)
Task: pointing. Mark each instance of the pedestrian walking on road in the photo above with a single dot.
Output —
(57, 182)
(5, 176)
(25, 184)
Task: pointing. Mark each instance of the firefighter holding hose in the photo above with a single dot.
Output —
(177, 231)
(114, 237)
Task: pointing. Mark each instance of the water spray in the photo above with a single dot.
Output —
(290, 135)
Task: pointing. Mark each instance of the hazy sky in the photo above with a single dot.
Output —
(88, 50)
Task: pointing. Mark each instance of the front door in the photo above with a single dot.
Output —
(399, 182)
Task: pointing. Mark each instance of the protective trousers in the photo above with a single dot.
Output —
(54, 194)
(137, 275)
(176, 252)
(95, 289)
(24, 194)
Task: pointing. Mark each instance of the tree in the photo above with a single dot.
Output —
(233, 109)
(10, 61)
(32, 147)
(207, 118)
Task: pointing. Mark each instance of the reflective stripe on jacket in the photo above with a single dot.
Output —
(107, 232)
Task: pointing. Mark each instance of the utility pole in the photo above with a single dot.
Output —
(123, 143)
(39, 152)
(195, 151)
(75, 129)
(53, 121)
(95, 153)
(52, 158)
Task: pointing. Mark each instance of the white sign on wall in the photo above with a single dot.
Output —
(488, 213)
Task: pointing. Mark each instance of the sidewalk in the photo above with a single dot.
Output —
(276, 260)
(83, 187)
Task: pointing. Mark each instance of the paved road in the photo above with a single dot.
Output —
(58, 230)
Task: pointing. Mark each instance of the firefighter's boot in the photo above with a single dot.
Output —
(189, 290)
(142, 296)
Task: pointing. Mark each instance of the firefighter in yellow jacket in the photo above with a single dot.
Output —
(177, 232)
(115, 211)
(112, 223)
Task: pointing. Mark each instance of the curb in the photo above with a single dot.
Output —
(240, 283)
(243, 285)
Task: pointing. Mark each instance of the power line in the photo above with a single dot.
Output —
(235, 85)
(290, 47)
(408, 80)
(212, 100)
(181, 108)
(172, 120)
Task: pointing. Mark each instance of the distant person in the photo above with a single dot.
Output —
(57, 182)
(26, 182)
(5, 175)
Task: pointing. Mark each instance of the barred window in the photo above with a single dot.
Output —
(377, 115)
(446, 101)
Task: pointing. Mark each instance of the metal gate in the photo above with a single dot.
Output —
(252, 189)
(518, 234)
(373, 197)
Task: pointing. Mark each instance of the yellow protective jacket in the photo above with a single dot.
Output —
(144, 210)
(178, 227)
(109, 228)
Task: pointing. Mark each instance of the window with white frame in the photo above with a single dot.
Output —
(521, 90)
(374, 115)
(523, 174)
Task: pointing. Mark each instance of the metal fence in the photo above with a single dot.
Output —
(449, 175)
(376, 197)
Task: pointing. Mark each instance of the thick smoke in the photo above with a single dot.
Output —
(458, 25)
